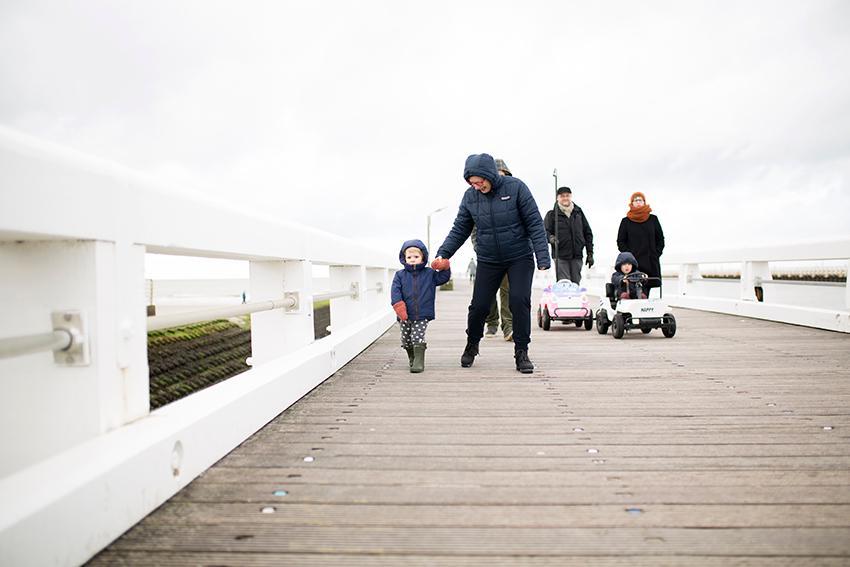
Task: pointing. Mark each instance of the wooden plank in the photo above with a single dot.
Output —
(585, 493)
(840, 479)
(156, 558)
(510, 515)
(402, 540)
(253, 455)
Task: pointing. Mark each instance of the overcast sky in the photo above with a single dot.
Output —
(356, 117)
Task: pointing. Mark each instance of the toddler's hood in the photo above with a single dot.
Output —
(417, 244)
(626, 258)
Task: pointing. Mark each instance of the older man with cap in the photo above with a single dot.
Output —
(569, 237)
(510, 234)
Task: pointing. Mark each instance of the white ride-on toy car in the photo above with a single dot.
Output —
(625, 314)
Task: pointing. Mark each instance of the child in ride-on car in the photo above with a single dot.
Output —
(628, 281)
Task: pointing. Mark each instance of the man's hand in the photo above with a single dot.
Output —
(400, 309)
(542, 268)
(440, 264)
(589, 261)
(553, 239)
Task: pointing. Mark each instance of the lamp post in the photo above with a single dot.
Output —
(555, 222)
(428, 232)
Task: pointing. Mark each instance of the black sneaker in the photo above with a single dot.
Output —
(491, 330)
(522, 363)
(469, 354)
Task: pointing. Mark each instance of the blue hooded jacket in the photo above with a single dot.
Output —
(417, 285)
(506, 217)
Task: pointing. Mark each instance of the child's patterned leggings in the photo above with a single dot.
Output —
(412, 332)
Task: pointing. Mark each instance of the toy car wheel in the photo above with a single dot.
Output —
(547, 320)
(602, 322)
(669, 326)
(618, 326)
(578, 323)
(645, 330)
(588, 323)
(539, 317)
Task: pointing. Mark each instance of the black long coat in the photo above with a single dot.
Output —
(645, 240)
(574, 234)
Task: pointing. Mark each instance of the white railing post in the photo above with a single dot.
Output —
(753, 273)
(847, 286)
(375, 298)
(277, 332)
(687, 273)
(58, 405)
(347, 310)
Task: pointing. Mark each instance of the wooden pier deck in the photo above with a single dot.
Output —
(726, 445)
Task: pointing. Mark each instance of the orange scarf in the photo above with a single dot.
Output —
(638, 214)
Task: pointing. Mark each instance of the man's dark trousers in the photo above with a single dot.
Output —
(487, 280)
(569, 269)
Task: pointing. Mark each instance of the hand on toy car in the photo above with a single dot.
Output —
(400, 309)
(440, 264)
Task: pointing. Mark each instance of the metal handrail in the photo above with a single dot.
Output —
(177, 319)
(58, 340)
(290, 301)
(333, 295)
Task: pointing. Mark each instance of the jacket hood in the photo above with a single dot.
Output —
(416, 243)
(482, 165)
(626, 258)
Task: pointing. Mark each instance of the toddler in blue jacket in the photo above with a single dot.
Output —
(413, 293)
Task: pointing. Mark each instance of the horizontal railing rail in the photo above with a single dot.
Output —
(67, 341)
(290, 302)
(30, 344)
(74, 231)
(160, 322)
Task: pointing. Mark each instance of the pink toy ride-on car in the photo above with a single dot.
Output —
(567, 302)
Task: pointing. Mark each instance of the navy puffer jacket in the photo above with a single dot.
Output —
(506, 218)
(417, 285)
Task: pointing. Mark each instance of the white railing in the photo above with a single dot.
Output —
(823, 305)
(81, 456)
(756, 294)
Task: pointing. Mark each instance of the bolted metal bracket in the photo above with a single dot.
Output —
(355, 290)
(77, 353)
(296, 301)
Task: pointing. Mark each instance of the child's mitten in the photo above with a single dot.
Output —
(440, 264)
(400, 309)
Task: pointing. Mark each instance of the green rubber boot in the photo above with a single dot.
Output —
(409, 350)
(418, 364)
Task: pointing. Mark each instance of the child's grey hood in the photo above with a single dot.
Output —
(626, 258)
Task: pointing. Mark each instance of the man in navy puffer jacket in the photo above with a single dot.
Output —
(510, 233)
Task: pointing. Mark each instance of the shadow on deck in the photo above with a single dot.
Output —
(727, 444)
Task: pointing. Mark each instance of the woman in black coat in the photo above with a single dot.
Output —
(640, 233)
